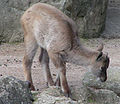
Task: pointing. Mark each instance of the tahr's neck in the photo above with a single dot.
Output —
(81, 56)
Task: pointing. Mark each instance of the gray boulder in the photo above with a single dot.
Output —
(103, 96)
(91, 92)
(81, 95)
(88, 14)
(14, 91)
(107, 92)
(112, 29)
(52, 95)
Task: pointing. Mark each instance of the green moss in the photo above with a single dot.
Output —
(34, 94)
(84, 40)
(94, 30)
(15, 43)
(91, 100)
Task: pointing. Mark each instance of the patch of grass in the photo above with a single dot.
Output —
(34, 94)
(91, 100)
(15, 43)
(84, 40)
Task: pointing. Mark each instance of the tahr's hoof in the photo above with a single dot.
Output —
(32, 88)
(30, 85)
(68, 95)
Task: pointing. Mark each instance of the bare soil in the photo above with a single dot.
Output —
(11, 56)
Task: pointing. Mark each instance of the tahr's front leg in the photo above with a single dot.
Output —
(61, 67)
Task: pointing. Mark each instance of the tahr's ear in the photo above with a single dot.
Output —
(99, 56)
(100, 48)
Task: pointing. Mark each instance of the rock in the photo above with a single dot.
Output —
(107, 92)
(112, 29)
(81, 95)
(52, 95)
(114, 3)
(103, 96)
(14, 91)
(91, 92)
(88, 14)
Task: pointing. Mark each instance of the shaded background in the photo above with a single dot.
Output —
(89, 15)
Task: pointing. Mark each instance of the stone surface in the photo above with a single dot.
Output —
(114, 3)
(52, 95)
(14, 91)
(103, 96)
(106, 92)
(81, 95)
(88, 14)
(112, 29)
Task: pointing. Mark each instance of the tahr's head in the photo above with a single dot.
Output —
(100, 64)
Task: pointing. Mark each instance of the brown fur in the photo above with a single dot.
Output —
(57, 36)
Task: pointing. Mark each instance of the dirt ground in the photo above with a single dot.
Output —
(11, 56)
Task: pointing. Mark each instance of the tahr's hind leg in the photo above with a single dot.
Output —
(44, 60)
(57, 82)
(30, 50)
